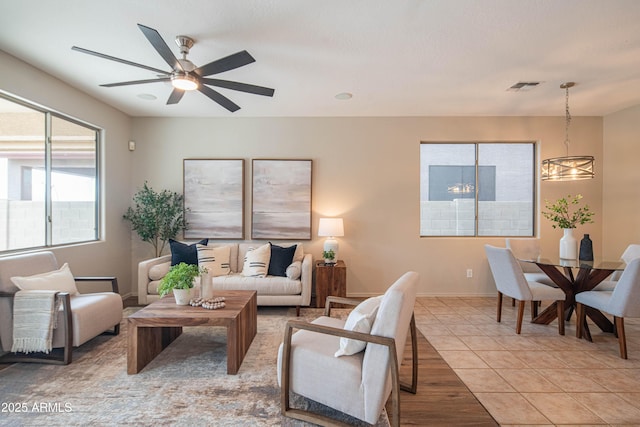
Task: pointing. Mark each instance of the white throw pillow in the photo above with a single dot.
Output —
(294, 270)
(359, 320)
(57, 280)
(256, 261)
(215, 259)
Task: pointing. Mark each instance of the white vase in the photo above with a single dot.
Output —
(206, 286)
(182, 296)
(568, 245)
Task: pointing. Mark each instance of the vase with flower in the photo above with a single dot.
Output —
(566, 213)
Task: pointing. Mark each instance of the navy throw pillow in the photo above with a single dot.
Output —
(281, 258)
(181, 252)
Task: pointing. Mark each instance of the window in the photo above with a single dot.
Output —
(477, 189)
(48, 178)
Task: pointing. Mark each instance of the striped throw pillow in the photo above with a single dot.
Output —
(215, 259)
(256, 261)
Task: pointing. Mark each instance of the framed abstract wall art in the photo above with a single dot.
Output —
(281, 199)
(214, 198)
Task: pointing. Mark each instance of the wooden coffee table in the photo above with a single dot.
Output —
(153, 328)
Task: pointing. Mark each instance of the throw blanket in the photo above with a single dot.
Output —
(34, 318)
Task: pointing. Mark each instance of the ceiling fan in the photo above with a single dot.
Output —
(184, 75)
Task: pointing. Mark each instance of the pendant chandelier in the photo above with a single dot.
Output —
(567, 168)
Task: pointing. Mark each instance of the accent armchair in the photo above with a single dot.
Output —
(358, 384)
(81, 318)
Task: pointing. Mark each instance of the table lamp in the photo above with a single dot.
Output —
(330, 228)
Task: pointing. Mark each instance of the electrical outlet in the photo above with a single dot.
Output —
(469, 273)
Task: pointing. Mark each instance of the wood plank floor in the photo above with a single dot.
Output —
(442, 398)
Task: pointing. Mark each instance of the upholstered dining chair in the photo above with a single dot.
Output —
(510, 281)
(623, 301)
(632, 251)
(312, 363)
(529, 249)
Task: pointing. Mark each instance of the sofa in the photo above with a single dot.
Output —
(272, 290)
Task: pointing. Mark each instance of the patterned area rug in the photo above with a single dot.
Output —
(186, 384)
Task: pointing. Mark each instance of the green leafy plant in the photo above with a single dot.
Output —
(180, 276)
(565, 212)
(330, 254)
(156, 216)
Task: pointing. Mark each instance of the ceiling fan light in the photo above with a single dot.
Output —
(184, 82)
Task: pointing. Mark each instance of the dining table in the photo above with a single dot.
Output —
(589, 275)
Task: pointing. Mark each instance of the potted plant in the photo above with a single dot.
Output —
(329, 256)
(157, 216)
(566, 213)
(179, 280)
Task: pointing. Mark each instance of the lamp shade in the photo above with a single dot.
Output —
(331, 227)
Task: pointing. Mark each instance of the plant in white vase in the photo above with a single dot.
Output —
(565, 213)
(179, 280)
(329, 256)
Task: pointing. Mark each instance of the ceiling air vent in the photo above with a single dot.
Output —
(523, 86)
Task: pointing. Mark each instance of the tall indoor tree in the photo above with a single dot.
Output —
(156, 216)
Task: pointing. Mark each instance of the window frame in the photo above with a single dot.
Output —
(49, 169)
(477, 144)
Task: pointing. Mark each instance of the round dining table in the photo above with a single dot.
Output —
(589, 275)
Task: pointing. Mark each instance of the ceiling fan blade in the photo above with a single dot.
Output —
(227, 63)
(161, 47)
(219, 98)
(175, 96)
(137, 82)
(242, 87)
(113, 58)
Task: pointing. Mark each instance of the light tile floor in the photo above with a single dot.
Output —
(537, 377)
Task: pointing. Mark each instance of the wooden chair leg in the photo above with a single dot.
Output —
(534, 309)
(520, 316)
(499, 313)
(413, 388)
(560, 306)
(622, 340)
(580, 319)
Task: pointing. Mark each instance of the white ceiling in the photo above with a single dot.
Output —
(397, 57)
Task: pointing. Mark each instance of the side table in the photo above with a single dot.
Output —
(330, 280)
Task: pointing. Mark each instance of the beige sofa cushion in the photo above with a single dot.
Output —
(270, 285)
(152, 287)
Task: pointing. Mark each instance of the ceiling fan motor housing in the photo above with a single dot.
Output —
(184, 43)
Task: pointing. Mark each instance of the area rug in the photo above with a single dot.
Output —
(187, 384)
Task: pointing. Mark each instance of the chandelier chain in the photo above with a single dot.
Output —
(568, 119)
